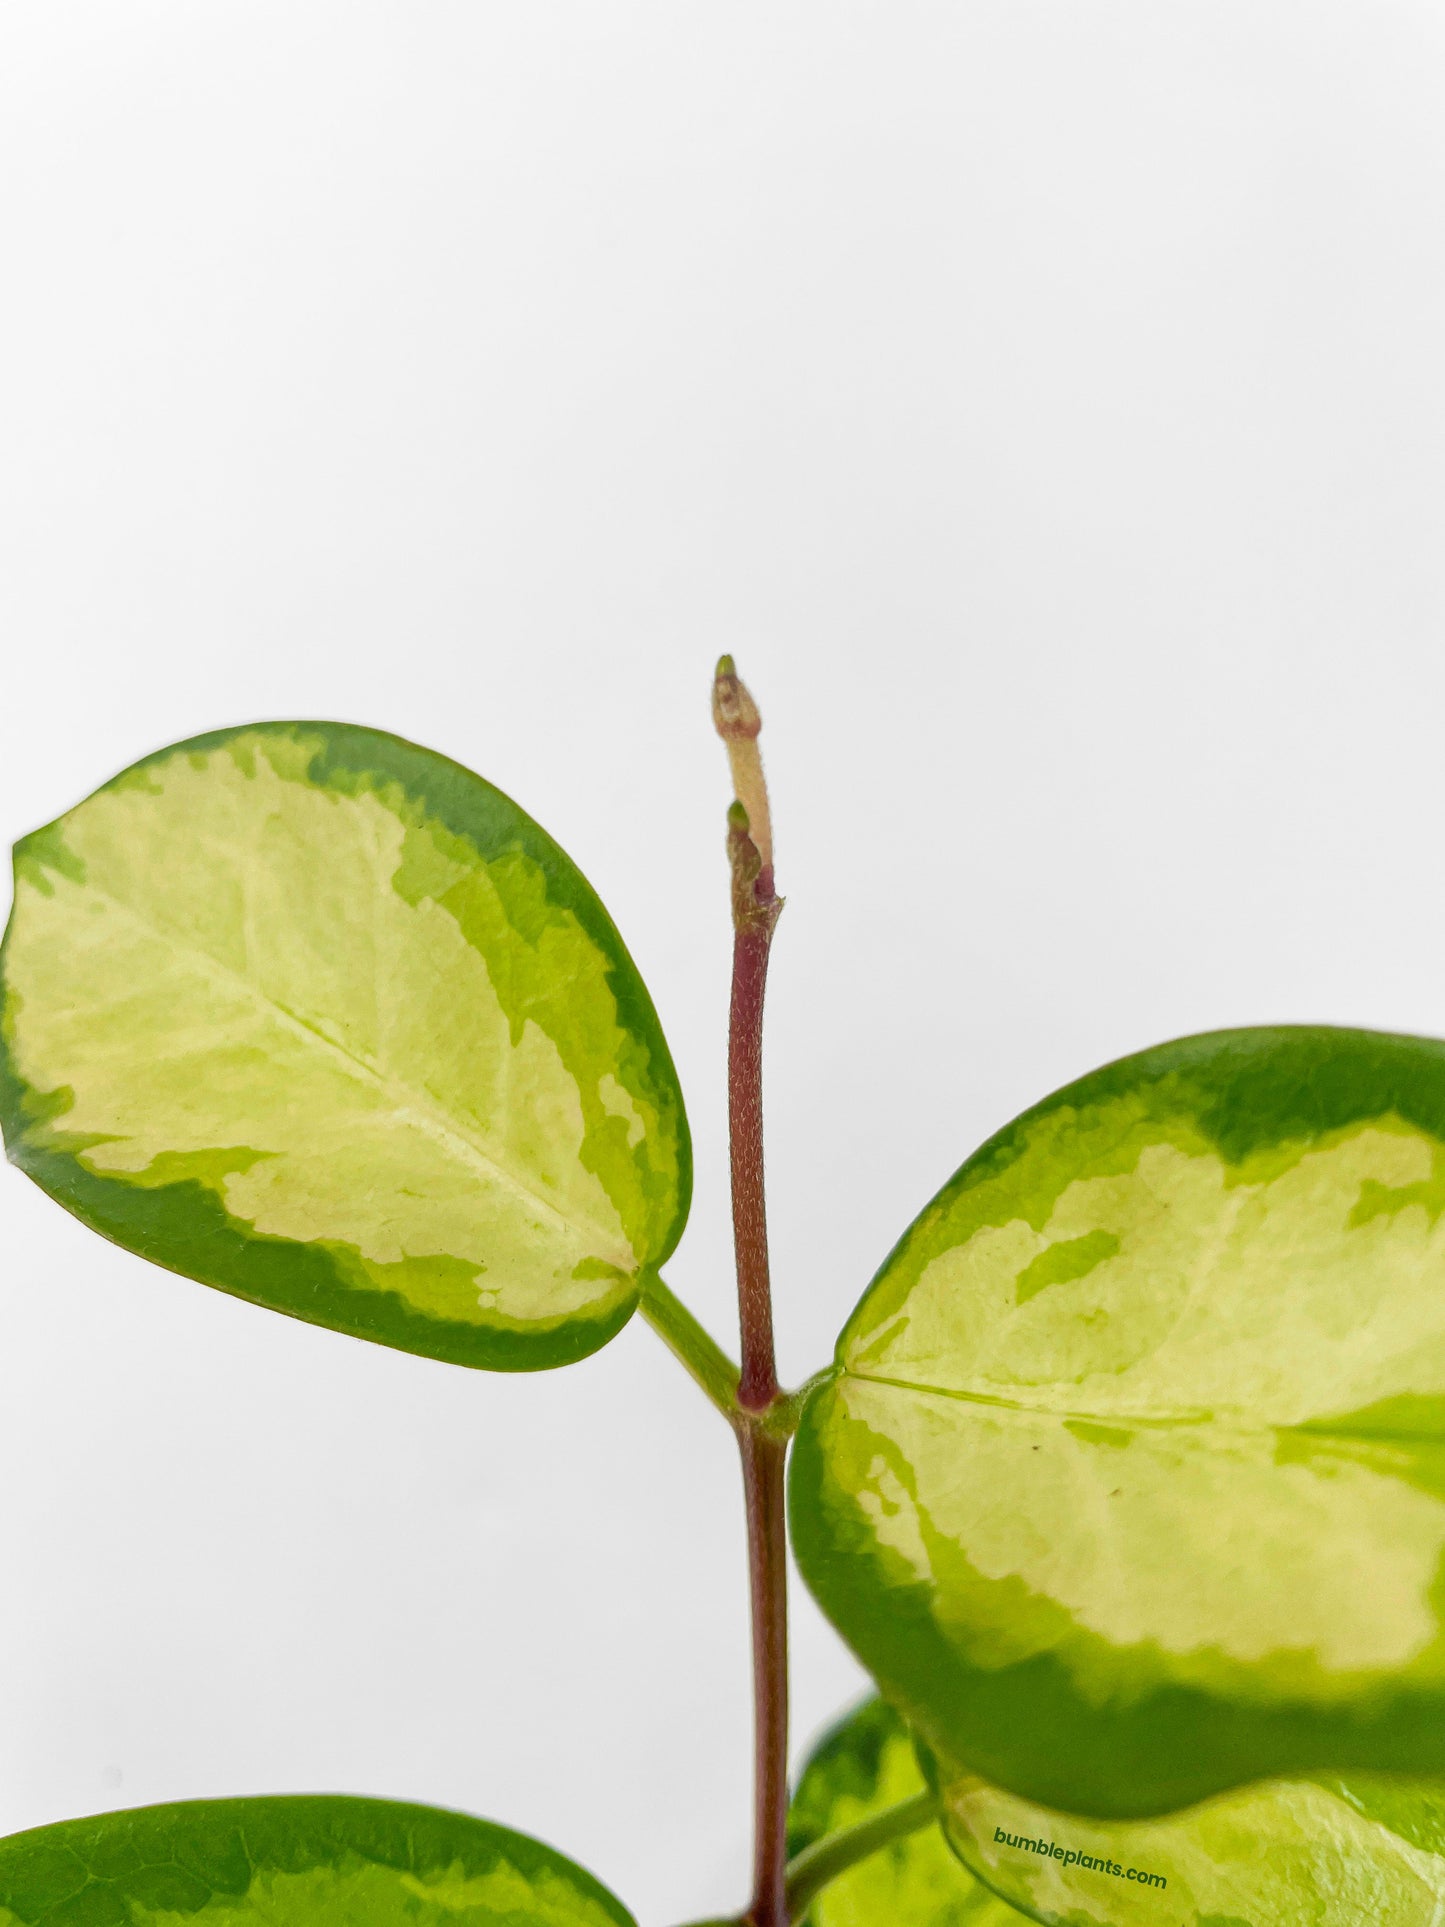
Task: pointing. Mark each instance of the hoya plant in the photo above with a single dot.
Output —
(1126, 1480)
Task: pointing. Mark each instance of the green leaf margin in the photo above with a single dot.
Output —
(1024, 1725)
(122, 1869)
(185, 1228)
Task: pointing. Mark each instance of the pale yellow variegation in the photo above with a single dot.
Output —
(360, 1894)
(320, 1002)
(1130, 1484)
(294, 1861)
(1149, 1402)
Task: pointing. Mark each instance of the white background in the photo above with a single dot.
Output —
(1045, 401)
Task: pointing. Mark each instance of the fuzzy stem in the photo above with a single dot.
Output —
(759, 1384)
(763, 1456)
(755, 913)
(763, 1461)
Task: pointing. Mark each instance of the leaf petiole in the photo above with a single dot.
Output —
(821, 1863)
(709, 1365)
(812, 1869)
(696, 1347)
(780, 1420)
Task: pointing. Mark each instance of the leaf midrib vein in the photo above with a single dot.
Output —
(1132, 1421)
(1117, 1420)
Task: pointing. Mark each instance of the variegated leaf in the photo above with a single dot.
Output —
(323, 1019)
(1130, 1483)
(294, 1861)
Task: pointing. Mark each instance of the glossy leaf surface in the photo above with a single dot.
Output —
(1130, 1485)
(1280, 1853)
(299, 1861)
(322, 1019)
(864, 1766)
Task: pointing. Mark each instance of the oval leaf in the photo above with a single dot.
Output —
(305, 1860)
(1282, 1852)
(322, 1019)
(859, 1769)
(1130, 1485)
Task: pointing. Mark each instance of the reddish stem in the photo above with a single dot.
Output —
(751, 943)
(763, 1460)
(755, 912)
